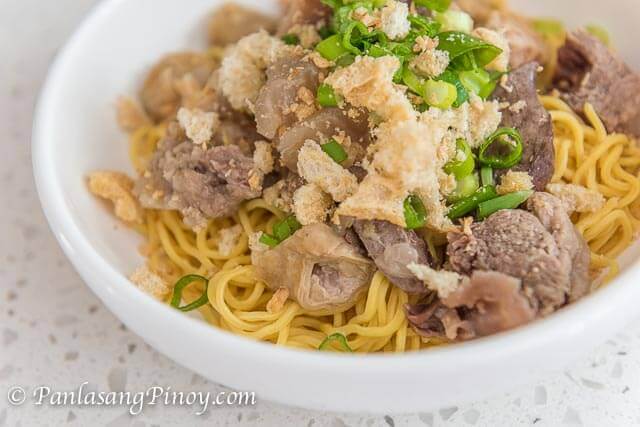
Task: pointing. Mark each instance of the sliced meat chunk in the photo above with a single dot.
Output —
(392, 248)
(319, 127)
(588, 71)
(526, 44)
(231, 22)
(302, 12)
(487, 303)
(288, 80)
(533, 122)
(319, 267)
(200, 183)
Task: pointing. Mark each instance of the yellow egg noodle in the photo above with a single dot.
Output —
(585, 155)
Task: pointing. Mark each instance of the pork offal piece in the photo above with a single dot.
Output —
(392, 248)
(302, 12)
(318, 266)
(231, 22)
(588, 71)
(532, 121)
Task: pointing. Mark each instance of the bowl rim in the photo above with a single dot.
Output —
(613, 303)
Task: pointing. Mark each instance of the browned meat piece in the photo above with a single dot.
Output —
(392, 248)
(288, 80)
(533, 122)
(231, 22)
(572, 247)
(589, 72)
(320, 268)
(322, 125)
(487, 303)
(302, 12)
(525, 42)
(160, 95)
(201, 184)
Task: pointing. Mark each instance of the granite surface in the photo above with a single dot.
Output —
(54, 331)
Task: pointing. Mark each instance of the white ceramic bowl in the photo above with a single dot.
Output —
(75, 132)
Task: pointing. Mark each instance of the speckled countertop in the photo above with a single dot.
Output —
(54, 331)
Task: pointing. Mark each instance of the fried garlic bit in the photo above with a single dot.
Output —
(117, 188)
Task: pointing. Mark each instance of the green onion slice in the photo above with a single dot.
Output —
(437, 5)
(486, 175)
(285, 228)
(338, 338)
(600, 32)
(440, 94)
(354, 31)
(326, 96)
(475, 80)
(549, 27)
(331, 48)
(269, 240)
(463, 163)
(502, 149)
(335, 150)
(467, 52)
(465, 187)
(412, 81)
(455, 20)
(182, 283)
(451, 77)
(424, 26)
(291, 39)
(415, 214)
(465, 206)
(508, 201)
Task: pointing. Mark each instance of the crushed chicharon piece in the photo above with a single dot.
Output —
(518, 106)
(277, 301)
(117, 187)
(311, 204)
(199, 126)
(318, 168)
(430, 63)
(150, 282)
(425, 43)
(229, 239)
(263, 157)
(394, 18)
(514, 181)
(577, 198)
(130, 115)
(368, 83)
(441, 281)
(498, 39)
(242, 73)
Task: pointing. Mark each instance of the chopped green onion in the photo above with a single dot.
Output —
(465, 188)
(464, 206)
(325, 32)
(335, 151)
(508, 201)
(291, 39)
(451, 77)
(463, 163)
(348, 37)
(475, 80)
(326, 97)
(424, 26)
(412, 81)
(467, 52)
(285, 228)
(182, 283)
(502, 149)
(345, 60)
(600, 32)
(440, 94)
(415, 214)
(269, 240)
(331, 48)
(549, 27)
(437, 5)
(338, 338)
(486, 175)
(455, 20)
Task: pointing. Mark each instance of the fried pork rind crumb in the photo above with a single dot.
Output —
(130, 115)
(242, 73)
(199, 126)
(117, 187)
(441, 281)
(311, 204)
(229, 239)
(430, 63)
(514, 181)
(277, 301)
(498, 39)
(368, 83)
(263, 164)
(394, 19)
(577, 198)
(150, 282)
(318, 168)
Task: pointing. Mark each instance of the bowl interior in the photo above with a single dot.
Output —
(76, 133)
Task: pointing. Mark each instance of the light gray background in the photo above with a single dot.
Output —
(54, 331)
